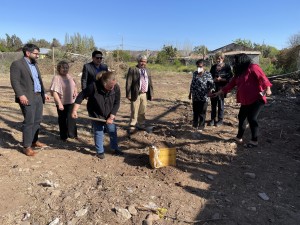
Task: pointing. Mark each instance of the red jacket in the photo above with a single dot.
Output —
(249, 85)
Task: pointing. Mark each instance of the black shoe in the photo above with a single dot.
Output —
(219, 123)
(211, 123)
(100, 155)
(119, 152)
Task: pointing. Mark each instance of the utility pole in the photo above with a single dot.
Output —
(122, 44)
(53, 60)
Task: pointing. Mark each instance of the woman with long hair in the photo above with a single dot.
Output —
(252, 88)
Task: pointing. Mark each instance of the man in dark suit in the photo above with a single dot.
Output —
(29, 91)
(139, 89)
(90, 70)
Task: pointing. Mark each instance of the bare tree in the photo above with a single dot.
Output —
(294, 40)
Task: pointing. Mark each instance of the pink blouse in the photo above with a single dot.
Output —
(65, 86)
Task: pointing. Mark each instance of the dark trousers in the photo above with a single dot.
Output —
(217, 102)
(67, 125)
(199, 110)
(33, 115)
(249, 112)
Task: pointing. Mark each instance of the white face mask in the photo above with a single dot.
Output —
(200, 69)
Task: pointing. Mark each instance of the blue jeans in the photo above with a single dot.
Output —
(99, 129)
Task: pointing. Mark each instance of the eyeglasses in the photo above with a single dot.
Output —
(99, 57)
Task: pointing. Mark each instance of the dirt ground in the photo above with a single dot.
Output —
(215, 181)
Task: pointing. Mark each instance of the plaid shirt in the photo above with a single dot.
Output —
(201, 85)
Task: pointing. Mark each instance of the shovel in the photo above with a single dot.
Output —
(100, 120)
(148, 129)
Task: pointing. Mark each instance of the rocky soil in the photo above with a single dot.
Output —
(215, 181)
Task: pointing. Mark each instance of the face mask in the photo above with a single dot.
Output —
(200, 69)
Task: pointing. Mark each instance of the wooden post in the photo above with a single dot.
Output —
(53, 61)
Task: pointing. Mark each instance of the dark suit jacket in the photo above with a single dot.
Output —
(133, 84)
(89, 73)
(22, 81)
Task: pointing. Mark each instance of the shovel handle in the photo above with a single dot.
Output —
(100, 120)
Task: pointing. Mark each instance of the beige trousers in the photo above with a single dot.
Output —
(138, 111)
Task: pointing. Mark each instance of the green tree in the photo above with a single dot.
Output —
(287, 59)
(166, 55)
(200, 50)
(121, 55)
(55, 43)
(79, 44)
(13, 43)
(243, 42)
(41, 43)
(266, 50)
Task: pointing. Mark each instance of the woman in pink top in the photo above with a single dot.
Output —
(252, 88)
(64, 91)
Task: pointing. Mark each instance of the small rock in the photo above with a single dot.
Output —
(152, 217)
(263, 196)
(132, 210)
(124, 213)
(54, 222)
(81, 212)
(210, 177)
(26, 216)
(252, 209)
(251, 175)
(48, 183)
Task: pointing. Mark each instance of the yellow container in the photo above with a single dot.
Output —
(160, 157)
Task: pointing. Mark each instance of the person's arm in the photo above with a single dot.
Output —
(57, 100)
(116, 104)
(129, 78)
(74, 111)
(229, 73)
(15, 76)
(75, 93)
(262, 78)
(227, 88)
(84, 77)
(191, 87)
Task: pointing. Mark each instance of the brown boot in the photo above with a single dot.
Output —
(28, 151)
(38, 144)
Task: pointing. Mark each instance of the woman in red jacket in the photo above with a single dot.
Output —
(252, 88)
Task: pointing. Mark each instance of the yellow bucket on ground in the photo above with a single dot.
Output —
(160, 157)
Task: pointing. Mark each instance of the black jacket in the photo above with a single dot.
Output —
(100, 103)
(224, 73)
(89, 73)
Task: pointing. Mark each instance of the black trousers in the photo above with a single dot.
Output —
(33, 115)
(199, 110)
(249, 112)
(67, 125)
(217, 103)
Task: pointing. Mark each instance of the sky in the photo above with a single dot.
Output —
(141, 25)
